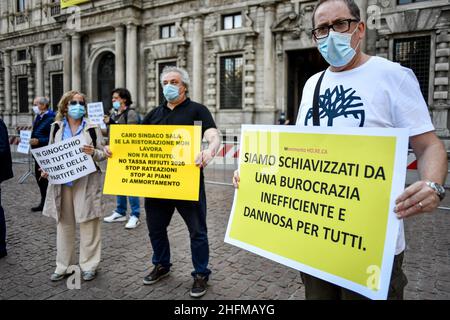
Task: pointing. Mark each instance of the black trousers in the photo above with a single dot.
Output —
(42, 183)
(2, 227)
(159, 212)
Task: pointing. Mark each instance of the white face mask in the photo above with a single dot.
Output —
(36, 109)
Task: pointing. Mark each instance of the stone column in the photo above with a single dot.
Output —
(269, 58)
(197, 64)
(363, 5)
(39, 71)
(441, 103)
(120, 56)
(67, 67)
(76, 62)
(132, 60)
(7, 66)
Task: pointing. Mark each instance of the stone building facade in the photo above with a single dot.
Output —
(248, 60)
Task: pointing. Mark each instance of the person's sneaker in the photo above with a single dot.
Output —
(88, 275)
(38, 208)
(199, 287)
(57, 277)
(132, 223)
(115, 217)
(157, 274)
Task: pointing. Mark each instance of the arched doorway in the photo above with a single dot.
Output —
(106, 79)
(302, 64)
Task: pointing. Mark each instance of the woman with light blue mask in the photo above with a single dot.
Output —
(124, 114)
(78, 201)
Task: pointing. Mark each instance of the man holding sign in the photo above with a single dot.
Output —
(180, 110)
(358, 90)
(39, 138)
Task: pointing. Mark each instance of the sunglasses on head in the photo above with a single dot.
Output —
(75, 102)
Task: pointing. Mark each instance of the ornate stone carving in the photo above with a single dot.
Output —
(248, 20)
(412, 20)
(180, 31)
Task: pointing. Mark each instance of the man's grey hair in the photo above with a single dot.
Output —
(181, 71)
(351, 5)
(43, 100)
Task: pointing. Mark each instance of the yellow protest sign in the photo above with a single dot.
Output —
(154, 161)
(321, 201)
(69, 3)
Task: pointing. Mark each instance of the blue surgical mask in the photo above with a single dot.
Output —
(36, 110)
(336, 49)
(171, 92)
(76, 111)
(116, 105)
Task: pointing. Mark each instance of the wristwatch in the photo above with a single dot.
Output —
(440, 190)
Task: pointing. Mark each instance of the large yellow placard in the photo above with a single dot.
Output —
(69, 3)
(319, 200)
(154, 161)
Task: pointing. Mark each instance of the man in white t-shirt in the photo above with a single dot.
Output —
(358, 90)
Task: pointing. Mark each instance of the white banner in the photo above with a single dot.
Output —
(96, 113)
(64, 161)
(24, 145)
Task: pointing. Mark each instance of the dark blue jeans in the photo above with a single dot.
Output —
(122, 205)
(2, 227)
(159, 213)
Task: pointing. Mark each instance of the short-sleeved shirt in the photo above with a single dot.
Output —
(184, 114)
(379, 93)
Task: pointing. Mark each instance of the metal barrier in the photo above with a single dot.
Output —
(21, 158)
(220, 170)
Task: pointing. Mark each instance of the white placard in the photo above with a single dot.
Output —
(96, 113)
(64, 161)
(24, 145)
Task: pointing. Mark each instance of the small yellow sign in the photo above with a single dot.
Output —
(70, 3)
(154, 161)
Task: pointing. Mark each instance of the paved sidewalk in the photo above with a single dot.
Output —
(237, 274)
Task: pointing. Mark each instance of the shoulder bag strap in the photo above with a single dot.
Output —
(315, 111)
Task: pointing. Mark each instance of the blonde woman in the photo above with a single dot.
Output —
(78, 201)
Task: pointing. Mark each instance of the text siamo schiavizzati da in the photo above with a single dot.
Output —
(315, 165)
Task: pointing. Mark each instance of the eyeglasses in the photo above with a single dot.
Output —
(338, 26)
(75, 102)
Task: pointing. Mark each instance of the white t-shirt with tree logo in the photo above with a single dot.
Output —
(379, 93)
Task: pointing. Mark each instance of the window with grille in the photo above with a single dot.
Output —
(23, 94)
(231, 70)
(56, 49)
(57, 89)
(161, 66)
(55, 7)
(167, 31)
(20, 5)
(21, 55)
(231, 21)
(414, 53)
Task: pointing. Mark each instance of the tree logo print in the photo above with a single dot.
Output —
(338, 103)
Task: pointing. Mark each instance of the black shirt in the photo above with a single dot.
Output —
(184, 114)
